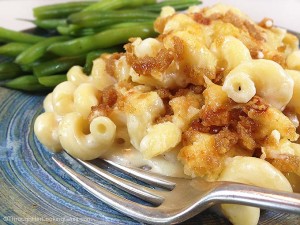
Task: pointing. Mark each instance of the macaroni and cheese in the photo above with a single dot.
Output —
(215, 95)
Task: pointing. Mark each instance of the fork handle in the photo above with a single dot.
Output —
(256, 196)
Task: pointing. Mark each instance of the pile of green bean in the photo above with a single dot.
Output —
(75, 34)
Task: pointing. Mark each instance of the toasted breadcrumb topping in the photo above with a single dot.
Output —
(187, 74)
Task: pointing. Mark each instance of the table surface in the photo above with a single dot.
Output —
(286, 13)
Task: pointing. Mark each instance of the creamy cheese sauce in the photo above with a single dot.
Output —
(166, 164)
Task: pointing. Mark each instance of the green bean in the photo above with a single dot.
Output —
(184, 6)
(58, 65)
(117, 4)
(87, 69)
(50, 23)
(91, 56)
(128, 25)
(112, 21)
(38, 50)
(74, 30)
(13, 48)
(105, 39)
(96, 19)
(26, 83)
(52, 81)
(9, 70)
(68, 29)
(176, 4)
(60, 10)
(28, 68)
(15, 36)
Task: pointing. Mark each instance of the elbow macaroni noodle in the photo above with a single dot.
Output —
(293, 60)
(294, 102)
(262, 77)
(63, 98)
(46, 130)
(143, 109)
(259, 173)
(160, 138)
(233, 51)
(86, 142)
(217, 92)
(85, 96)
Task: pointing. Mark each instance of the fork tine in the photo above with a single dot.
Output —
(139, 191)
(132, 209)
(150, 178)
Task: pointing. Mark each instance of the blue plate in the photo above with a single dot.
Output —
(34, 189)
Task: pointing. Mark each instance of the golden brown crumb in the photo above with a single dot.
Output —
(246, 129)
(225, 140)
(257, 104)
(199, 18)
(286, 163)
(201, 158)
(278, 57)
(107, 99)
(110, 63)
(234, 19)
(146, 65)
(253, 31)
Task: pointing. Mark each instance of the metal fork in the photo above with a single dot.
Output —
(176, 199)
